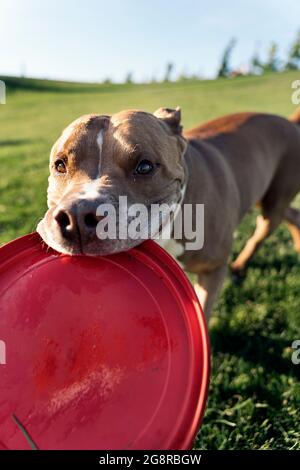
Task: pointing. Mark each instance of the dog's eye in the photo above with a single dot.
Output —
(60, 166)
(144, 167)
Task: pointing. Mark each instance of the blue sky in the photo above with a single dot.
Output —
(90, 40)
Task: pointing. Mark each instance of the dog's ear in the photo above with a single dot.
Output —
(96, 119)
(172, 117)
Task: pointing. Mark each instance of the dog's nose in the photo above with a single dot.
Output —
(74, 221)
(90, 220)
(67, 222)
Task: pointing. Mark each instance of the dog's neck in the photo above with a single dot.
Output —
(174, 247)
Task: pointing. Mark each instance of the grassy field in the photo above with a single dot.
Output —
(254, 398)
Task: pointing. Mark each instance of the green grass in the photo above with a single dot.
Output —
(254, 395)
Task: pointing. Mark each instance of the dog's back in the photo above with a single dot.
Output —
(263, 153)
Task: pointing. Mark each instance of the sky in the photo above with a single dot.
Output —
(93, 40)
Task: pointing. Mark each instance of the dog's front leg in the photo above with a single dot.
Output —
(208, 286)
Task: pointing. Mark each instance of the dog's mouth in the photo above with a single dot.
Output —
(60, 246)
(94, 240)
(88, 246)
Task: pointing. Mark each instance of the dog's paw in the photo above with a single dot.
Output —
(238, 275)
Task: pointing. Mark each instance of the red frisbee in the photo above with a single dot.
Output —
(99, 353)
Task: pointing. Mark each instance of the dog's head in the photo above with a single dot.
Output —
(96, 160)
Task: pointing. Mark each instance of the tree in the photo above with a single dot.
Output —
(273, 62)
(256, 66)
(224, 69)
(293, 62)
(169, 70)
(129, 78)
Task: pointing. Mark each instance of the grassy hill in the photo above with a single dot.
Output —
(255, 396)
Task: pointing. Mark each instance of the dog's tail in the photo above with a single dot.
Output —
(296, 116)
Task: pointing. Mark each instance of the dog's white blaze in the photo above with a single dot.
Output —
(100, 138)
(91, 190)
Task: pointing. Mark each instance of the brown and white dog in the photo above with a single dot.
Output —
(229, 165)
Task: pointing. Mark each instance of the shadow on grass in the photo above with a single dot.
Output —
(256, 348)
(14, 84)
(289, 260)
(263, 341)
(14, 142)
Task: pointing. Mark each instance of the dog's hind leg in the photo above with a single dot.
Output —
(265, 226)
(292, 216)
(208, 286)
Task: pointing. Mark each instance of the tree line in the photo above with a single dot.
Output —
(257, 65)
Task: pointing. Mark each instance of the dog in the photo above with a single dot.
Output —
(229, 164)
